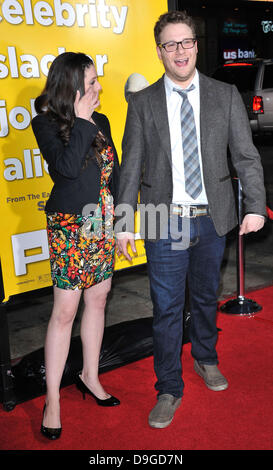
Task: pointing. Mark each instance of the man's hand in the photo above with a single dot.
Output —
(251, 223)
(123, 239)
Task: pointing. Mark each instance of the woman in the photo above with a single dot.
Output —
(76, 142)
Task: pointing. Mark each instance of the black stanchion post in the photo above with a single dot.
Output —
(6, 382)
(241, 305)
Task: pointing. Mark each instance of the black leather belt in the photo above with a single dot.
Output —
(189, 211)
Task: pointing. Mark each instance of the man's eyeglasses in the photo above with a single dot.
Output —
(172, 46)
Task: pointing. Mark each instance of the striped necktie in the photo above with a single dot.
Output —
(192, 173)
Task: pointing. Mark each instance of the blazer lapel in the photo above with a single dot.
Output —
(159, 108)
(207, 111)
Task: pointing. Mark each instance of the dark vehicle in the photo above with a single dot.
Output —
(254, 80)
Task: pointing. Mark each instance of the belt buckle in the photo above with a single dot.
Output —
(187, 212)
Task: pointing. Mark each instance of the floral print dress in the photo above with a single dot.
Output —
(82, 247)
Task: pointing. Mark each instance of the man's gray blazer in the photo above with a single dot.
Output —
(146, 152)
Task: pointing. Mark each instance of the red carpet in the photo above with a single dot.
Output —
(239, 418)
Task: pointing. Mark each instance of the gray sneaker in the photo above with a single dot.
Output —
(213, 378)
(163, 412)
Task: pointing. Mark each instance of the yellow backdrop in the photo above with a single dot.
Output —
(118, 35)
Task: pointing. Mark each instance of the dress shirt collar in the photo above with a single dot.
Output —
(169, 84)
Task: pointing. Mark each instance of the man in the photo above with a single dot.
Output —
(175, 150)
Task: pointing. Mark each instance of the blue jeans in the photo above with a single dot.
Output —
(168, 268)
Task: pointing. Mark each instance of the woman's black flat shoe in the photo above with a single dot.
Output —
(111, 401)
(50, 433)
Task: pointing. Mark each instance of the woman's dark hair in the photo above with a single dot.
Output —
(65, 77)
(173, 17)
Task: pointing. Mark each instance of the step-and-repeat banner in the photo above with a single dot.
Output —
(118, 35)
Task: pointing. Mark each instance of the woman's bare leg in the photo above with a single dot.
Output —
(92, 329)
(56, 349)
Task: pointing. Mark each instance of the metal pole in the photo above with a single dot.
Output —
(241, 305)
(241, 267)
(6, 381)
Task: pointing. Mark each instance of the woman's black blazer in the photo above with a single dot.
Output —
(75, 184)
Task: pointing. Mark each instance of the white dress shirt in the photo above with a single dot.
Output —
(174, 101)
